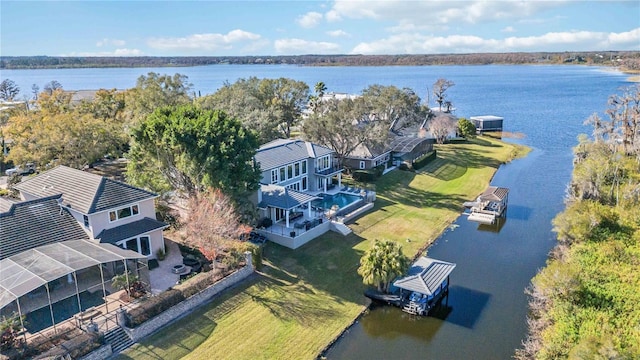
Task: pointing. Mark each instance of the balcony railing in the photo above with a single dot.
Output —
(330, 171)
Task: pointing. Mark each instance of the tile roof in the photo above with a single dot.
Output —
(130, 230)
(280, 197)
(285, 151)
(34, 223)
(83, 191)
(425, 276)
(494, 193)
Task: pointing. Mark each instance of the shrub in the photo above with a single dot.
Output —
(161, 254)
(154, 306)
(265, 223)
(405, 166)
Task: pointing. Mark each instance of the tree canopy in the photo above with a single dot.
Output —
(345, 124)
(57, 133)
(381, 264)
(581, 302)
(466, 128)
(190, 149)
(440, 88)
(155, 90)
(8, 90)
(271, 107)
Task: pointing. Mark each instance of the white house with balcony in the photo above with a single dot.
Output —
(294, 174)
(108, 211)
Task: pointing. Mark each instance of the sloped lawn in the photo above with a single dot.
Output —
(303, 299)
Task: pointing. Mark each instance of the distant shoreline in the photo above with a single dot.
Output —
(623, 60)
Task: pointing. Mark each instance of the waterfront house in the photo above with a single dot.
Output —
(297, 179)
(108, 211)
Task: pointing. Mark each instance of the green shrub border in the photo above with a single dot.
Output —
(424, 159)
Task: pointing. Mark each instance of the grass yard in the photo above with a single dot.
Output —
(303, 299)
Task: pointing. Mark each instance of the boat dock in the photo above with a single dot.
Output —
(424, 287)
(491, 204)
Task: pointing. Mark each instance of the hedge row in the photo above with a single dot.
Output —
(424, 160)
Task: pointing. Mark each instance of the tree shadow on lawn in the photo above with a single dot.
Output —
(419, 198)
(328, 263)
(182, 337)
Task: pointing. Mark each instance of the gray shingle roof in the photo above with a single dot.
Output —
(280, 197)
(130, 230)
(494, 193)
(282, 152)
(425, 276)
(83, 191)
(34, 223)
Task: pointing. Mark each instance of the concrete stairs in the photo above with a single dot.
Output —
(340, 228)
(118, 339)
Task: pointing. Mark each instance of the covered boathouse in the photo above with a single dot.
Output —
(491, 204)
(487, 123)
(426, 283)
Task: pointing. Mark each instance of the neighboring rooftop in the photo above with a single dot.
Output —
(285, 151)
(35, 223)
(83, 191)
(486, 118)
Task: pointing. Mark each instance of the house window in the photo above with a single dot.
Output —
(282, 177)
(289, 171)
(304, 167)
(132, 244)
(274, 176)
(295, 186)
(324, 163)
(362, 165)
(296, 169)
(86, 220)
(124, 212)
(304, 183)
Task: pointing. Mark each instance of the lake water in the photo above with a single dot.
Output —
(487, 305)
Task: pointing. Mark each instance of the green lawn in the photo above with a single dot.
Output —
(303, 299)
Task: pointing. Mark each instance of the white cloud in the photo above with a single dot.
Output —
(338, 33)
(208, 42)
(310, 19)
(299, 46)
(116, 52)
(431, 13)
(508, 29)
(412, 43)
(110, 42)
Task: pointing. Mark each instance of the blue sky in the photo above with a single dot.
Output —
(221, 28)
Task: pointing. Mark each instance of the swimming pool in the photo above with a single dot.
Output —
(341, 199)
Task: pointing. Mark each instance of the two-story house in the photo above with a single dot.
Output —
(109, 211)
(294, 174)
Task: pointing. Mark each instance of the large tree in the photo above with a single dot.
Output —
(8, 90)
(190, 149)
(345, 124)
(271, 107)
(382, 264)
(56, 131)
(440, 88)
(153, 91)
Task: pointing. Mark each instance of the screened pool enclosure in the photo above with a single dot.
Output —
(39, 278)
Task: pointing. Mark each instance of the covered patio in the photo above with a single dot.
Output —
(61, 279)
(325, 178)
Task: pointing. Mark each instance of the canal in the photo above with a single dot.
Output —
(487, 305)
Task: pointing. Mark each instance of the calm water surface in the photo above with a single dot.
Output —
(485, 318)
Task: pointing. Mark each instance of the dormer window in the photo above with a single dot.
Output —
(124, 212)
(86, 220)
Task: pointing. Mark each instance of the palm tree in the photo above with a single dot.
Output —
(382, 264)
(320, 88)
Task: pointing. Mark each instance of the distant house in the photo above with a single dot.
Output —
(366, 157)
(108, 211)
(487, 123)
